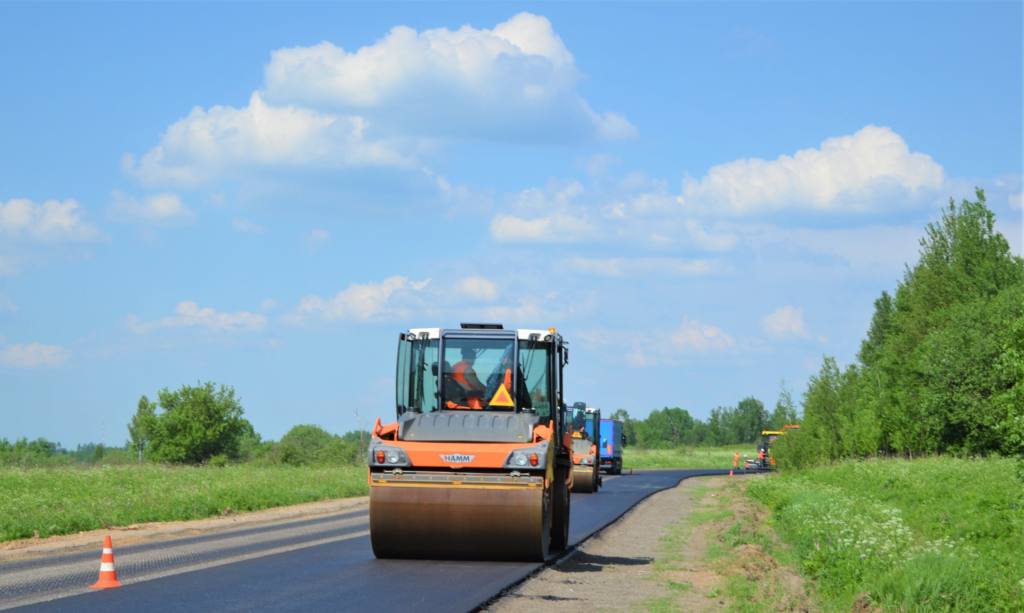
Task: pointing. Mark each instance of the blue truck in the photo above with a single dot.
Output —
(610, 446)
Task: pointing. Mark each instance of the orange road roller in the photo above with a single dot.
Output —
(586, 467)
(478, 465)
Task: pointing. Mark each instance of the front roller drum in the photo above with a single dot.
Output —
(460, 522)
(584, 479)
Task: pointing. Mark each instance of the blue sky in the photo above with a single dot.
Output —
(704, 198)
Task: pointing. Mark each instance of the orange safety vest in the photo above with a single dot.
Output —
(459, 374)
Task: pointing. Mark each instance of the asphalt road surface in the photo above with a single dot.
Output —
(322, 563)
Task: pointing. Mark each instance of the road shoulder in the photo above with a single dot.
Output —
(701, 546)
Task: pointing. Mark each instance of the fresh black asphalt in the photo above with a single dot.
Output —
(344, 575)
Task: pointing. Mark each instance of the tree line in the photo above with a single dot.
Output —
(196, 424)
(941, 369)
(675, 427)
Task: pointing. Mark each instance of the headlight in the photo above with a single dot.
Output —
(529, 457)
(386, 455)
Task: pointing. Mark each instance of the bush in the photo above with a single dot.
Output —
(197, 423)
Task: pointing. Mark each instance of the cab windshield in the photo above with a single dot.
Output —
(579, 418)
(477, 374)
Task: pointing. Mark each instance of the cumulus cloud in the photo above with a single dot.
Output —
(783, 322)
(188, 314)
(846, 173)
(322, 107)
(316, 238)
(513, 82)
(359, 301)
(557, 228)
(50, 221)
(32, 355)
(478, 288)
(699, 337)
(222, 140)
(653, 347)
(246, 226)
(619, 267)
(162, 208)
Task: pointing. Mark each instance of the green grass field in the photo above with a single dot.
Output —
(685, 457)
(48, 501)
(935, 534)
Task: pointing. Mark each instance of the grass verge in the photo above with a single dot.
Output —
(723, 556)
(49, 501)
(686, 457)
(935, 534)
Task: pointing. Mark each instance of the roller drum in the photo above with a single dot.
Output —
(584, 479)
(460, 522)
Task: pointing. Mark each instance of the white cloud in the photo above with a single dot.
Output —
(846, 173)
(478, 288)
(618, 267)
(246, 226)
(662, 346)
(32, 355)
(694, 336)
(208, 144)
(876, 249)
(358, 301)
(1016, 200)
(557, 228)
(188, 314)
(785, 321)
(161, 208)
(383, 105)
(51, 221)
(516, 81)
(316, 238)
(527, 311)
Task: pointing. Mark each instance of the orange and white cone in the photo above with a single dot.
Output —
(108, 576)
(730, 472)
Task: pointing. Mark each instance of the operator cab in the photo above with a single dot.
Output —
(478, 369)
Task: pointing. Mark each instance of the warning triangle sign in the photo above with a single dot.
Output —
(502, 398)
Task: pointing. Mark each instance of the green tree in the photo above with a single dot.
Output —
(142, 426)
(197, 423)
(785, 410)
(309, 444)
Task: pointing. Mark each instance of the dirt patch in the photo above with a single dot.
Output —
(695, 547)
(156, 531)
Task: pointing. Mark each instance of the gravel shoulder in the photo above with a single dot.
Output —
(701, 546)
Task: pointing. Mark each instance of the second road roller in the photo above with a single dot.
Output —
(586, 472)
(478, 464)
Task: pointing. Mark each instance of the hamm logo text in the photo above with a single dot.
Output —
(457, 458)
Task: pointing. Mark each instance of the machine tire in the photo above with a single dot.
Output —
(617, 467)
(560, 501)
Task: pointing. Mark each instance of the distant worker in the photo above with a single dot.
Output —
(465, 376)
(736, 461)
(760, 457)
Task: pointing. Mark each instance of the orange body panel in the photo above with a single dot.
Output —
(431, 454)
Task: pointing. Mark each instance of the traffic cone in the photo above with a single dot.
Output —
(108, 576)
(730, 472)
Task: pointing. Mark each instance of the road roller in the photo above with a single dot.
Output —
(586, 471)
(478, 464)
